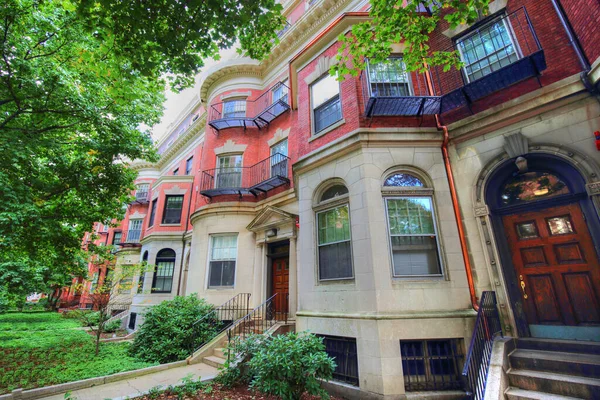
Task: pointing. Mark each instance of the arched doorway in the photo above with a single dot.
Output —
(547, 231)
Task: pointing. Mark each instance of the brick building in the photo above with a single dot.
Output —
(378, 210)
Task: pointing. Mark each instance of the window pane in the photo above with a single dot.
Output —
(415, 255)
(173, 208)
(152, 213)
(389, 79)
(229, 172)
(221, 273)
(532, 186)
(325, 89)
(328, 114)
(234, 109)
(188, 165)
(224, 248)
(334, 225)
(487, 50)
(403, 180)
(334, 191)
(335, 261)
(411, 215)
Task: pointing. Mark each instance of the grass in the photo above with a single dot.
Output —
(41, 349)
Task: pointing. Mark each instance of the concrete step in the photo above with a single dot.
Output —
(520, 394)
(214, 361)
(568, 346)
(220, 352)
(553, 383)
(578, 364)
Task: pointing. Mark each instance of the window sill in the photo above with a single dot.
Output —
(221, 288)
(337, 281)
(327, 130)
(178, 224)
(419, 279)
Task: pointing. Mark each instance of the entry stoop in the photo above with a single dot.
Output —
(554, 369)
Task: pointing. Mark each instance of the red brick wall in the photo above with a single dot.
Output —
(584, 16)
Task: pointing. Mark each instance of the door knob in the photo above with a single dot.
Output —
(523, 286)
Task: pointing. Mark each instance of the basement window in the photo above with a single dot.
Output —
(344, 351)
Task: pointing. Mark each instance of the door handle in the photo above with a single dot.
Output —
(523, 286)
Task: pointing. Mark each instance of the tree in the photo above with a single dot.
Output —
(105, 295)
(410, 22)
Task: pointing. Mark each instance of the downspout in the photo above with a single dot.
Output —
(583, 61)
(455, 205)
(187, 224)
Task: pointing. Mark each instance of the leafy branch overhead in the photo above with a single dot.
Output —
(409, 23)
(174, 38)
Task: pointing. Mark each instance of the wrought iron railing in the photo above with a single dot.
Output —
(141, 196)
(133, 236)
(260, 177)
(222, 317)
(477, 363)
(248, 113)
(258, 321)
(511, 56)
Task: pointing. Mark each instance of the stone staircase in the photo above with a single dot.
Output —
(219, 356)
(554, 369)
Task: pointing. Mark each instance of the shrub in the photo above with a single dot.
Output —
(112, 326)
(168, 332)
(284, 365)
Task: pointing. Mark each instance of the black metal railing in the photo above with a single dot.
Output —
(513, 55)
(477, 363)
(221, 317)
(141, 196)
(248, 113)
(258, 321)
(132, 236)
(258, 178)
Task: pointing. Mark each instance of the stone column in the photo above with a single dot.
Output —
(293, 302)
(257, 285)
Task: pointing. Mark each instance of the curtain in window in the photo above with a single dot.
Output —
(223, 255)
(335, 254)
(326, 102)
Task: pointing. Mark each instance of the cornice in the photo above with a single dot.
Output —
(160, 236)
(173, 179)
(229, 208)
(194, 131)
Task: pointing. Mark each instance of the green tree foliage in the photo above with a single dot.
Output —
(168, 332)
(409, 22)
(173, 37)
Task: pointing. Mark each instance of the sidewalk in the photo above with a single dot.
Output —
(142, 384)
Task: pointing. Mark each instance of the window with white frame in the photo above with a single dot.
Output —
(279, 158)
(326, 104)
(487, 49)
(229, 171)
(234, 109)
(334, 240)
(389, 79)
(280, 92)
(412, 227)
(134, 232)
(222, 259)
(141, 192)
(94, 283)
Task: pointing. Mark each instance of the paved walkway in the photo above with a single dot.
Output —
(141, 384)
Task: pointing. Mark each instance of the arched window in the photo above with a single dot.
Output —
(334, 240)
(532, 186)
(163, 274)
(412, 227)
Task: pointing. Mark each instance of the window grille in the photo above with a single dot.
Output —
(344, 351)
(432, 364)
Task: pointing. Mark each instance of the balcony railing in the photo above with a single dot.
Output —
(503, 65)
(141, 196)
(259, 178)
(256, 113)
(133, 236)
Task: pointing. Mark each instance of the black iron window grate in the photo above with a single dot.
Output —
(343, 350)
(432, 364)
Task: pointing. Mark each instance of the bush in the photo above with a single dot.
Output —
(168, 333)
(112, 326)
(285, 365)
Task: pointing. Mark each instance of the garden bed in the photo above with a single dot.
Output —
(45, 349)
(216, 392)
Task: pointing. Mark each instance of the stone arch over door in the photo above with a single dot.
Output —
(490, 226)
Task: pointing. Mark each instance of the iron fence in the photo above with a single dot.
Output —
(487, 328)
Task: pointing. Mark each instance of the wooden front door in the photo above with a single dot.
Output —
(556, 267)
(281, 286)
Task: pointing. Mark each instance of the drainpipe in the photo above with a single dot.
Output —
(583, 61)
(455, 205)
(187, 224)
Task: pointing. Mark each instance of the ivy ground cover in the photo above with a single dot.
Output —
(42, 349)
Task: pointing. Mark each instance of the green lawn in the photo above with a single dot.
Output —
(41, 349)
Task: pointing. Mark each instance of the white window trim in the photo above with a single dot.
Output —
(209, 256)
(312, 108)
(411, 90)
(401, 195)
(511, 36)
(328, 205)
(219, 156)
